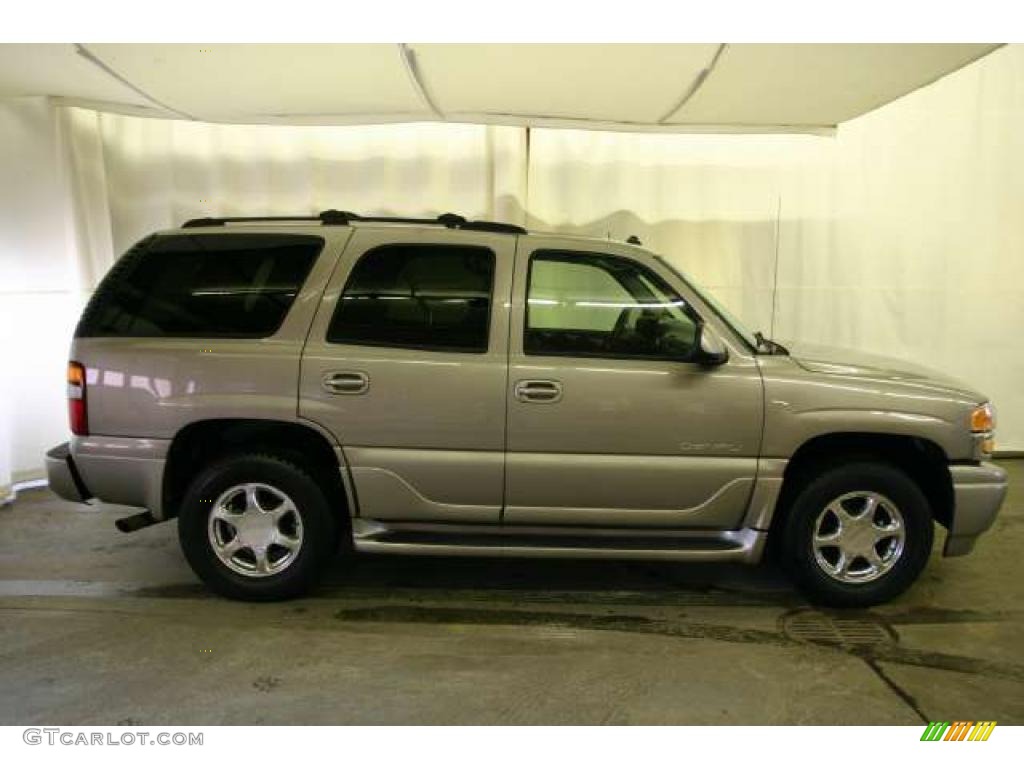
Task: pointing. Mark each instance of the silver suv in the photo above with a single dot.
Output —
(457, 387)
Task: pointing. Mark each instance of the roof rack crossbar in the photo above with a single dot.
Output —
(344, 218)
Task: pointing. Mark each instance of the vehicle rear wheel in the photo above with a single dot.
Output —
(257, 527)
(857, 535)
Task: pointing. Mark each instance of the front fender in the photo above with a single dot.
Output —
(801, 405)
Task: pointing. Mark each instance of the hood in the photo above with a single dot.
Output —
(849, 362)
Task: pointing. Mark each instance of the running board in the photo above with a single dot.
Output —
(377, 537)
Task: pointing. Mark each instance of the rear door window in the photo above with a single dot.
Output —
(232, 285)
(435, 297)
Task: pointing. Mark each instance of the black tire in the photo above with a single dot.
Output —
(319, 528)
(797, 547)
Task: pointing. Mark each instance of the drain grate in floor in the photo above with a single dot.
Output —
(859, 633)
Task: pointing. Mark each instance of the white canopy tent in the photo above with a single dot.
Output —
(891, 229)
(686, 87)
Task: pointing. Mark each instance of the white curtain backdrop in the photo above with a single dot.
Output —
(136, 175)
(709, 204)
(39, 299)
(902, 234)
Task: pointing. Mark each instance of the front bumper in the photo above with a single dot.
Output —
(978, 492)
(63, 476)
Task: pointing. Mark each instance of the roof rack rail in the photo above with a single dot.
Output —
(449, 220)
(344, 218)
(220, 220)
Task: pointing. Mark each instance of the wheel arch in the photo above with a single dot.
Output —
(200, 443)
(923, 460)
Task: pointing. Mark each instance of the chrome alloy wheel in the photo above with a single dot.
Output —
(255, 529)
(858, 537)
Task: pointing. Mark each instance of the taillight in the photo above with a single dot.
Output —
(78, 413)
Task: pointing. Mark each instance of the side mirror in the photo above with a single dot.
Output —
(709, 350)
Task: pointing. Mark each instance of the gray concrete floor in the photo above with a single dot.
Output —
(98, 627)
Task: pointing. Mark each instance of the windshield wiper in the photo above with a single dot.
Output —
(769, 346)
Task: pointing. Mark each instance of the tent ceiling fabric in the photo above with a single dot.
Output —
(614, 83)
(816, 84)
(57, 70)
(236, 83)
(685, 87)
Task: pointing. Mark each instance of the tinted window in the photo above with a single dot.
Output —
(420, 296)
(223, 285)
(592, 305)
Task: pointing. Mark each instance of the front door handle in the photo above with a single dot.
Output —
(538, 391)
(346, 382)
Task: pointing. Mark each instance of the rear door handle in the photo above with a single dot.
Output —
(346, 382)
(538, 391)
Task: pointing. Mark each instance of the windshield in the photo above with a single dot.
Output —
(727, 317)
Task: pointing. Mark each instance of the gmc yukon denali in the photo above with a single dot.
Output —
(289, 387)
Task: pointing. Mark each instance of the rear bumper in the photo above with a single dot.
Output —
(117, 470)
(63, 476)
(978, 492)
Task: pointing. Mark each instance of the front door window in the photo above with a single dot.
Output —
(593, 305)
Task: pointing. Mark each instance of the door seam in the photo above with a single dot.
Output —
(508, 375)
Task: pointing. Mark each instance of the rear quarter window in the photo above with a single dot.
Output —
(204, 285)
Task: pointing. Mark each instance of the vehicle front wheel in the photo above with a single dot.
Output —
(857, 535)
(257, 527)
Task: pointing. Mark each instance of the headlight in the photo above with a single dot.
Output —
(983, 418)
